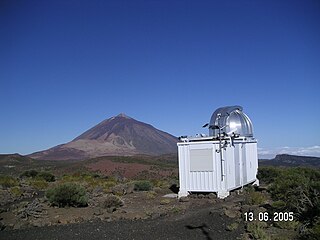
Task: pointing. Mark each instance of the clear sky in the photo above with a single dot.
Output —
(67, 65)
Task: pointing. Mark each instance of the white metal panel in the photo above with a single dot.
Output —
(252, 161)
(230, 167)
(201, 160)
(200, 166)
(203, 178)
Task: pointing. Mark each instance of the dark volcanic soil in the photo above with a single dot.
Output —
(203, 223)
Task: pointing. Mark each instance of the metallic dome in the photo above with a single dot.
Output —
(230, 120)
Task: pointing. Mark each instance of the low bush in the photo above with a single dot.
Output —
(254, 198)
(112, 201)
(297, 190)
(176, 210)
(8, 181)
(232, 226)
(314, 232)
(165, 201)
(123, 189)
(46, 176)
(268, 174)
(143, 185)
(16, 191)
(29, 173)
(108, 185)
(38, 175)
(67, 194)
(160, 183)
(38, 184)
(256, 229)
(151, 195)
(290, 225)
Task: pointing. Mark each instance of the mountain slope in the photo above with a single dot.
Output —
(119, 135)
(292, 161)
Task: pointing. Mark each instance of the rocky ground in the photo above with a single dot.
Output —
(143, 213)
(117, 210)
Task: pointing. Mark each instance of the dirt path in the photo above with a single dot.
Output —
(197, 224)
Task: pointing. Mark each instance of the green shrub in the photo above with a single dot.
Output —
(46, 176)
(268, 174)
(290, 225)
(256, 198)
(143, 185)
(160, 183)
(256, 229)
(123, 189)
(297, 190)
(151, 195)
(16, 191)
(176, 209)
(39, 175)
(253, 197)
(108, 185)
(8, 181)
(68, 194)
(38, 184)
(165, 201)
(112, 201)
(232, 226)
(29, 173)
(279, 205)
(315, 231)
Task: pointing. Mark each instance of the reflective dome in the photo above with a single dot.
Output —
(230, 120)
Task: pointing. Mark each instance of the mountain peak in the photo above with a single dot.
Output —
(119, 135)
(123, 115)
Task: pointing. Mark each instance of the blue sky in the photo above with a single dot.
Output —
(67, 65)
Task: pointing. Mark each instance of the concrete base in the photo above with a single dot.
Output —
(223, 194)
(256, 183)
(183, 193)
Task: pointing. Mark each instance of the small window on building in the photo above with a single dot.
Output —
(201, 160)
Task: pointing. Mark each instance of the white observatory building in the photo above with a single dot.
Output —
(225, 160)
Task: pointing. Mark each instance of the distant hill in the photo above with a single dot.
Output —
(14, 159)
(11, 163)
(287, 160)
(118, 136)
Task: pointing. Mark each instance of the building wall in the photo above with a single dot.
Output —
(201, 168)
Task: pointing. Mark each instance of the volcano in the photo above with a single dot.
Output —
(117, 136)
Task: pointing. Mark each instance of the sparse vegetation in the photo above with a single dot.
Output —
(8, 181)
(67, 194)
(112, 201)
(257, 230)
(268, 174)
(16, 191)
(253, 197)
(151, 195)
(165, 201)
(38, 184)
(232, 226)
(29, 173)
(143, 185)
(296, 190)
(48, 177)
(108, 185)
(122, 189)
(161, 183)
(175, 210)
